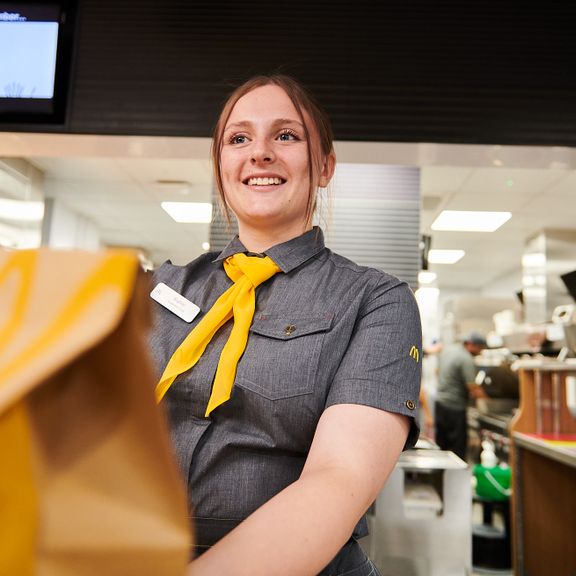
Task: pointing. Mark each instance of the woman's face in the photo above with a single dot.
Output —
(264, 163)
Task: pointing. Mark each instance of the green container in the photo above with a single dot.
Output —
(492, 483)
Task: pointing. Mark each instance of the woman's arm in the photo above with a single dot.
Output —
(301, 529)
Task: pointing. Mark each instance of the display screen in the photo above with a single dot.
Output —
(34, 58)
(28, 43)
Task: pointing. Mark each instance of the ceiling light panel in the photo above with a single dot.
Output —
(470, 221)
(426, 277)
(189, 212)
(445, 256)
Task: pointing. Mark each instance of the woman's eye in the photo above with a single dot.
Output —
(238, 139)
(287, 135)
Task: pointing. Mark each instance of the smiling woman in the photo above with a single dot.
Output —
(264, 167)
(295, 391)
(296, 118)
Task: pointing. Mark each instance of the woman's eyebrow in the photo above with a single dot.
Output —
(283, 121)
(277, 122)
(236, 125)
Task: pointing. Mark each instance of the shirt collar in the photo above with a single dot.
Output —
(288, 255)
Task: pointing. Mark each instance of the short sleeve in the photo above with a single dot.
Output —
(382, 364)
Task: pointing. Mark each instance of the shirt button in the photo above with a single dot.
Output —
(410, 405)
(289, 329)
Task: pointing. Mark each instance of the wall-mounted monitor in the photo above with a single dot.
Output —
(36, 41)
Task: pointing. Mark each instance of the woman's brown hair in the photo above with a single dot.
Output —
(304, 103)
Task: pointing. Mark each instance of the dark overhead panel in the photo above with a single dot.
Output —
(401, 70)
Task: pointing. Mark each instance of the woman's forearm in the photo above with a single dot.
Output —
(301, 529)
(297, 532)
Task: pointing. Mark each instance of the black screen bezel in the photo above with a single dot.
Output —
(41, 111)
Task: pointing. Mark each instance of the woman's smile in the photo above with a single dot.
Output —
(264, 181)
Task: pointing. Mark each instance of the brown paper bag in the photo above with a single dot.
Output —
(88, 485)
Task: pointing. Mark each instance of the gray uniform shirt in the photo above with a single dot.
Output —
(456, 370)
(352, 339)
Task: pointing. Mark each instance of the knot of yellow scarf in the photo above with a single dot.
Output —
(239, 302)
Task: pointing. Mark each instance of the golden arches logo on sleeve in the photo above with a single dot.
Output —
(414, 353)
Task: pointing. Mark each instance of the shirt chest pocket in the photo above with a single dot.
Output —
(282, 356)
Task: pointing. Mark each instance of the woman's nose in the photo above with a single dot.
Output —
(262, 152)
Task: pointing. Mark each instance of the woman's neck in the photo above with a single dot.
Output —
(257, 240)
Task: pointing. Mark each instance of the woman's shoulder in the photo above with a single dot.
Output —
(179, 274)
(374, 276)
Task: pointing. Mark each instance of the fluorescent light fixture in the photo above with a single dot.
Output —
(426, 277)
(21, 210)
(470, 221)
(445, 256)
(189, 212)
(427, 296)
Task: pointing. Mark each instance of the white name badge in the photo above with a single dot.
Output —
(174, 302)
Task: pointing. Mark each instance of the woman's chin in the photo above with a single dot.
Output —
(262, 217)
(263, 222)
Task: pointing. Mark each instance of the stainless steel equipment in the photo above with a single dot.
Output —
(565, 316)
(489, 418)
(420, 524)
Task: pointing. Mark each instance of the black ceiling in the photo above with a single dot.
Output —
(402, 70)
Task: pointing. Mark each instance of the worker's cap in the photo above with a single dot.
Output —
(475, 338)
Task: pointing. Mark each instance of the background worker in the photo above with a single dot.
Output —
(456, 386)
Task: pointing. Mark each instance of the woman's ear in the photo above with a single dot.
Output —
(328, 166)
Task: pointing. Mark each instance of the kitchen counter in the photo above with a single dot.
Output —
(543, 460)
(561, 448)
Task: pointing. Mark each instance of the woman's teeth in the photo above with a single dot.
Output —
(263, 181)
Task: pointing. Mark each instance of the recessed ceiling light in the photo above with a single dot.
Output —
(445, 256)
(189, 212)
(21, 210)
(470, 221)
(426, 277)
(427, 295)
(205, 245)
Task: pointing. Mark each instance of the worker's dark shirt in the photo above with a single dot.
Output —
(456, 371)
(326, 331)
